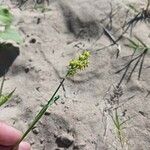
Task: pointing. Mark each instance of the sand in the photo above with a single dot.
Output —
(81, 118)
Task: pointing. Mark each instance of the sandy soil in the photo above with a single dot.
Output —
(81, 120)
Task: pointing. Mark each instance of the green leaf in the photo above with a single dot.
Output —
(8, 33)
(133, 42)
(133, 8)
(6, 17)
(117, 119)
(5, 98)
(11, 34)
(141, 42)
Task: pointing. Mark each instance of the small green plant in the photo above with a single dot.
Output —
(119, 126)
(76, 64)
(138, 46)
(7, 31)
(4, 97)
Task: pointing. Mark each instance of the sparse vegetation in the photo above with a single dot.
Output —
(141, 49)
(119, 126)
(134, 62)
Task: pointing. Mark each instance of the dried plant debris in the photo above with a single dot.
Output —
(36, 3)
(112, 98)
(140, 16)
(114, 41)
(138, 47)
(21, 2)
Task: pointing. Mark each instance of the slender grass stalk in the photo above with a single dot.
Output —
(119, 125)
(37, 118)
(52, 100)
(119, 129)
(4, 97)
(74, 65)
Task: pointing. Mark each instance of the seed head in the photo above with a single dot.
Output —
(79, 63)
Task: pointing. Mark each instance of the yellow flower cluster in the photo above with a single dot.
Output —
(78, 63)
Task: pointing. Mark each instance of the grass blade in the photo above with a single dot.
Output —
(37, 118)
(141, 65)
(40, 114)
(136, 64)
(5, 98)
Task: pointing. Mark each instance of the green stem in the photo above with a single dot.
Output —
(40, 114)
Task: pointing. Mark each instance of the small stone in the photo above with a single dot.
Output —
(26, 70)
(64, 141)
(33, 40)
(47, 113)
(35, 131)
(80, 145)
(32, 142)
(41, 140)
(38, 88)
(38, 20)
(62, 102)
(97, 104)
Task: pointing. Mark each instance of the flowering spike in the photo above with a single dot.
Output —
(79, 63)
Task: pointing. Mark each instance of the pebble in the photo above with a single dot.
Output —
(35, 131)
(65, 140)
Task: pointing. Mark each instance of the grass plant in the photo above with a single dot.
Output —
(138, 46)
(119, 127)
(76, 64)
